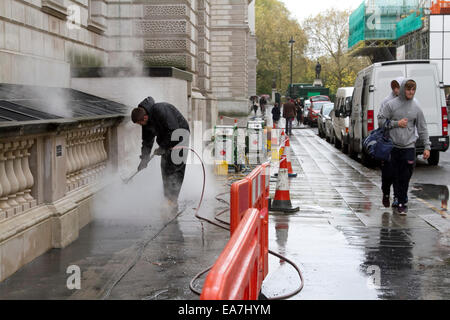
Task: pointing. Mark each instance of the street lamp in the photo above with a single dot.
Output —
(279, 77)
(291, 42)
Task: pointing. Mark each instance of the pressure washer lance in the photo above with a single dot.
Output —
(128, 180)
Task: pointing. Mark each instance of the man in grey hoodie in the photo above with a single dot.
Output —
(387, 172)
(405, 117)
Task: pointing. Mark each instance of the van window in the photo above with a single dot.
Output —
(357, 92)
(365, 95)
(348, 106)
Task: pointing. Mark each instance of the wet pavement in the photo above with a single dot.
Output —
(346, 243)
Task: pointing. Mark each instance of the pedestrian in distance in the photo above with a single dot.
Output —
(289, 114)
(387, 174)
(167, 124)
(262, 105)
(405, 116)
(276, 114)
(298, 110)
(254, 100)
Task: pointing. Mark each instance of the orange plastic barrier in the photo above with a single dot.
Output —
(239, 203)
(440, 7)
(237, 273)
(253, 192)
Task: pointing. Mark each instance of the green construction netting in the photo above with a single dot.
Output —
(377, 19)
(411, 23)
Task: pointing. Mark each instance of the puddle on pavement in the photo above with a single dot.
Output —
(431, 192)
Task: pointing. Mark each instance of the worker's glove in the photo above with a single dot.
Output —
(160, 152)
(143, 164)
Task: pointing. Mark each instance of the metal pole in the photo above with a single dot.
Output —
(292, 41)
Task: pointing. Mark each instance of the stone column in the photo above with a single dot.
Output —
(169, 32)
(54, 168)
(229, 55)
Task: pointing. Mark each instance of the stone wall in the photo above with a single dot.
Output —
(47, 182)
(229, 54)
(37, 42)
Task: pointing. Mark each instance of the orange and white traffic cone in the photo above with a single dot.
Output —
(282, 142)
(282, 200)
(287, 152)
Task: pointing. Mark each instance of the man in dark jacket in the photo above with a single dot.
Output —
(167, 124)
(289, 114)
(262, 105)
(276, 114)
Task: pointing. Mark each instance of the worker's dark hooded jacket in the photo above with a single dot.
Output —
(163, 120)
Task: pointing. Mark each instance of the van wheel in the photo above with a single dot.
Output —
(353, 155)
(433, 160)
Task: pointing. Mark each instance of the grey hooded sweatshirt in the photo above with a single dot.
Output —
(398, 109)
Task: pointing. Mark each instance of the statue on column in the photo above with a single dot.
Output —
(318, 69)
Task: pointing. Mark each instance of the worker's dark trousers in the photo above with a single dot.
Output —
(172, 175)
(403, 163)
(387, 177)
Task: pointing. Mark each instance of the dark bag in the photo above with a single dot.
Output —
(378, 144)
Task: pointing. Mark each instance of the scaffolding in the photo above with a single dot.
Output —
(377, 19)
(417, 45)
(440, 7)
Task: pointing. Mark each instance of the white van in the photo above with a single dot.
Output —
(373, 84)
(340, 118)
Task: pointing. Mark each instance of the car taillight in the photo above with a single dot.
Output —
(370, 121)
(444, 121)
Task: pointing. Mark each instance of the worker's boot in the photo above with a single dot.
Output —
(172, 205)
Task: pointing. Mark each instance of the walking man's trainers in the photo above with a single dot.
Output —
(395, 203)
(386, 201)
(402, 209)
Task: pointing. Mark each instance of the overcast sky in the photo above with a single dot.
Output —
(302, 9)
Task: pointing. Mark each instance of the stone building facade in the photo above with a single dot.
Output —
(47, 42)
(40, 40)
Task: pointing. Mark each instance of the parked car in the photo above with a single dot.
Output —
(324, 116)
(340, 118)
(306, 110)
(319, 98)
(314, 109)
(313, 112)
(372, 85)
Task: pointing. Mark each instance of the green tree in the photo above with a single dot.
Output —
(328, 36)
(274, 28)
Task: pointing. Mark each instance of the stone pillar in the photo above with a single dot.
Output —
(229, 55)
(169, 33)
(54, 168)
(252, 57)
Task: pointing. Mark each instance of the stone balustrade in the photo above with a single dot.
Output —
(16, 179)
(86, 156)
(78, 153)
